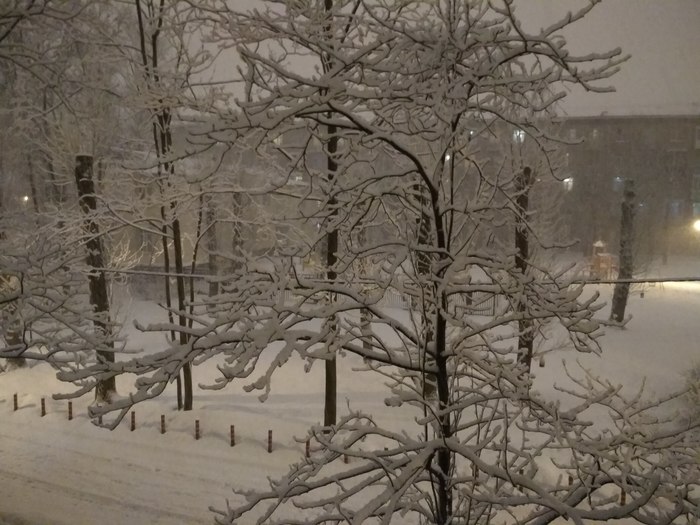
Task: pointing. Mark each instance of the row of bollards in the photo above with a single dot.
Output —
(197, 430)
(132, 423)
(197, 427)
(15, 406)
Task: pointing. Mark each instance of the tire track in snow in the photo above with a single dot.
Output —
(197, 460)
(11, 478)
(75, 469)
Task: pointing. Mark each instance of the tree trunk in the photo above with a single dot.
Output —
(362, 275)
(236, 234)
(163, 142)
(329, 410)
(444, 455)
(168, 294)
(423, 270)
(55, 190)
(330, 404)
(99, 297)
(443, 379)
(619, 301)
(523, 183)
(180, 280)
(212, 246)
(13, 336)
(32, 184)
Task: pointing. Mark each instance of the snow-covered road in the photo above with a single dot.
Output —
(54, 471)
(64, 478)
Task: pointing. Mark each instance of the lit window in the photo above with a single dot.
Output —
(518, 136)
(568, 183)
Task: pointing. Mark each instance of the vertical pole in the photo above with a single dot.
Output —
(269, 441)
(133, 420)
(196, 428)
(43, 407)
(14, 402)
(233, 435)
(162, 423)
(623, 497)
(308, 448)
(70, 410)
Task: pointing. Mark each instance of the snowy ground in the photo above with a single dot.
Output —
(55, 471)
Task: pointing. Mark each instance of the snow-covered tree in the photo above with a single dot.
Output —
(118, 74)
(413, 109)
(51, 104)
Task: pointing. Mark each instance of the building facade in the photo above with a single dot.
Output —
(660, 154)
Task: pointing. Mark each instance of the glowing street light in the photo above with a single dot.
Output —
(696, 225)
(25, 199)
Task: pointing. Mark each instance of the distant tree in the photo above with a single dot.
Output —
(43, 65)
(151, 16)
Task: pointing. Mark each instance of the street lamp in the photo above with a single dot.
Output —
(696, 225)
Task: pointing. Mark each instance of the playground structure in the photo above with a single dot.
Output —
(603, 265)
